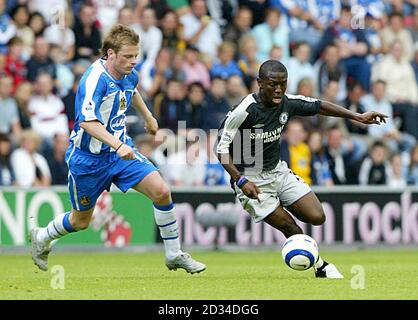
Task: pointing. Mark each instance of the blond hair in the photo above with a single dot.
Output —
(118, 36)
(29, 134)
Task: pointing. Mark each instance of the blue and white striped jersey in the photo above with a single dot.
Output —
(102, 97)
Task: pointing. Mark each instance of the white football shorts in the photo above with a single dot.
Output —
(279, 186)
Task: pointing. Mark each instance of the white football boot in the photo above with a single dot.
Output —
(39, 251)
(328, 271)
(186, 262)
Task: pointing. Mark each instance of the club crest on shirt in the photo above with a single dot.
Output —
(122, 104)
(85, 201)
(284, 116)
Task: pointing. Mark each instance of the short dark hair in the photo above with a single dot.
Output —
(272, 10)
(4, 137)
(379, 81)
(15, 41)
(196, 84)
(217, 77)
(17, 8)
(378, 144)
(346, 7)
(395, 14)
(271, 66)
(351, 85)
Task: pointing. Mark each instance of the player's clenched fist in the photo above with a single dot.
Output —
(125, 152)
(151, 126)
(251, 190)
(248, 188)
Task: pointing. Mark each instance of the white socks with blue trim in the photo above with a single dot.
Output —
(164, 217)
(56, 229)
(167, 223)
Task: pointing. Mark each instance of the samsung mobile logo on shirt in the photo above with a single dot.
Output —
(268, 136)
(118, 123)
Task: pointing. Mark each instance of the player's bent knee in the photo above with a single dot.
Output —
(318, 218)
(80, 220)
(162, 193)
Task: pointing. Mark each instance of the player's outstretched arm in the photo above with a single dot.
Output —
(151, 124)
(332, 109)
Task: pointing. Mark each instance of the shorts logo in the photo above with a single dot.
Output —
(283, 117)
(85, 201)
(118, 123)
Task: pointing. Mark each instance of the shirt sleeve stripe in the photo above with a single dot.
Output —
(92, 86)
(232, 124)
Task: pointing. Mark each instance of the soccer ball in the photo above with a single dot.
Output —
(300, 252)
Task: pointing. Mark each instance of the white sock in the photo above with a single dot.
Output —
(167, 223)
(56, 229)
(319, 263)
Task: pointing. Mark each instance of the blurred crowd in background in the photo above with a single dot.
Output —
(198, 60)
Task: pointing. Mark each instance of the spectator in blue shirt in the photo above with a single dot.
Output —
(215, 174)
(7, 28)
(307, 19)
(218, 104)
(226, 67)
(373, 7)
(412, 171)
(172, 107)
(320, 163)
(271, 33)
(353, 47)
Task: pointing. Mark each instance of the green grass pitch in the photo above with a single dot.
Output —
(388, 274)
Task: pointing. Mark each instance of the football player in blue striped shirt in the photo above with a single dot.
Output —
(101, 153)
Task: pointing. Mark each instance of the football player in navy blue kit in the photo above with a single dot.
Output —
(249, 149)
